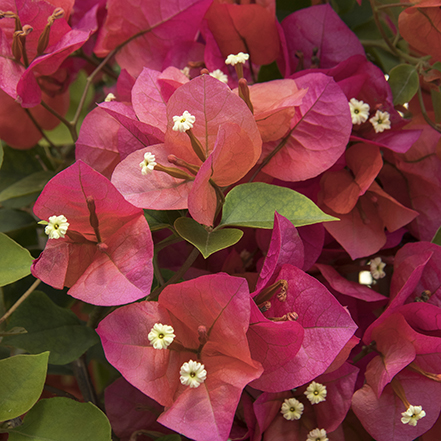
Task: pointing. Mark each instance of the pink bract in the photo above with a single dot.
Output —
(114, 270)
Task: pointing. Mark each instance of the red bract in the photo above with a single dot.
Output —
(317, 32)
(210, 317)
(230, 142)
(106, 256)
(319, 132)
(153, 29)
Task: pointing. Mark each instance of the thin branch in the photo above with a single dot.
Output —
(84, 381)
(424, 112)
(38, 127)
(69, 125)
(395, 5)
(185, 267)
(157, 271)
(20, 300)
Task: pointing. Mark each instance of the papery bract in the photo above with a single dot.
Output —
(319, 133)
(153, 29)
(219, 304)
(113, 269)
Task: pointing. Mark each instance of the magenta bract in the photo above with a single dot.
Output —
(112, 269)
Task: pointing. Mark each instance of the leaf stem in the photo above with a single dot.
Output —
(184, 268)
(84, 381)
(20, 300)
(424, 112)
(395, 5)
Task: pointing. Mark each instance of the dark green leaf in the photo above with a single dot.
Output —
(1, 155)
(18, 330)
(21, 382)
(404, 83)
(15, 261)
(62, 419)
(27, 186)
(159, 219)
(50, 328)
(12, 220)
(437, 238)
(253, 205)
(206, 242)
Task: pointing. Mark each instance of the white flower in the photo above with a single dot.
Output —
(186, 71)
(380, 121)
(219, 75)
(161, 336)
(184, 122)
(412, 415)
(193, 374)
(317, 435)
(148, 164)
(235, 59)
(316, 393)
(359, 111)
(292, 409)
(57, 227)
(377, 268)
(110, 97)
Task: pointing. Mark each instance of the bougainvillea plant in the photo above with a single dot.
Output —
(220, 220)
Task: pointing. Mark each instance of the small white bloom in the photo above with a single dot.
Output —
(359, 111)
(219, 75)
(161, 336)
(57, 227)
(110, 97)
(186, 71)
(184, 122)
(292, 409)
(380, 121)
(235, 59)
(377, 268)
(316, 392)
(148, 165)
(317, 435)
(412, 415)
(193, 374)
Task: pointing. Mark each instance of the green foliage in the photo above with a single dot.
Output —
(254, 204)
(159, 219)
(15, 261)
(29, 185)
(21, 383)
(50, 328)
(437, 238)
(13, 220)
(62, 419)
(404, 83)
(1, 155)
(206, 242)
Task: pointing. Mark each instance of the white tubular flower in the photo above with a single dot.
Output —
(110, 97)
(316, 393)
(57, 227)
(412, 415)
(184, 122)
(380, 121)
(377, 268)
(148, 165)
(161, 336)
(292, 409)
(193, 374)
(359, 111)
(219, 75)
(317, 435)
(235, 59)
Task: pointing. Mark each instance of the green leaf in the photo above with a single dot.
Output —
(437, 238)
(15, 261)
(206, 242)
(13, 220)
(253, 205)
(1, 155)
(17, 330)
(50, 328)
(404, 83)
(159, 219)
(26, 186)
(21, 382)
(62, 419)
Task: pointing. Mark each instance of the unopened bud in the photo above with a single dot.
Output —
(193, 169)
(102, 247)
(203, 335)
(43, 40)
(174, 172)
(93, 218)
(196, 144)
(205, 71)
(244, 93)
(264, 306)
